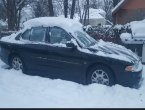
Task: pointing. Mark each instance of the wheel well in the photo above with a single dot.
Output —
(99, 63)
(10, 56)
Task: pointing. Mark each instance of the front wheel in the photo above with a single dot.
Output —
(100, 75)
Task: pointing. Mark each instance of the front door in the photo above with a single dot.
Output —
(66, 63)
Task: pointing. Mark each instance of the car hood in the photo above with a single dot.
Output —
(115, 51)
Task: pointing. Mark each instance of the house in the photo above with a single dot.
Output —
(128, 10)
(96, 17)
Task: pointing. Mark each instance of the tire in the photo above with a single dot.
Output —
(17, 63)
(100, 75)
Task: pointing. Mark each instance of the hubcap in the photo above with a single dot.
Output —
(100, 77)
(17, 63)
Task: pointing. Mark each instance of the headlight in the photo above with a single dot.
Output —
(135, 68)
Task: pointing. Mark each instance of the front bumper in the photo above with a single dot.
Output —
(134, 80)
(129, 79)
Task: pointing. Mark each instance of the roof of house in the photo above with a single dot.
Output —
(118, 6)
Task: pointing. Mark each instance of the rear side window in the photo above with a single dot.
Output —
(26, 35)
(38, 35)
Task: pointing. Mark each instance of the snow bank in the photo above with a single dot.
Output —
(3, 24)
(138, 28)
(126, 37)
(21, 91)
(137, 34)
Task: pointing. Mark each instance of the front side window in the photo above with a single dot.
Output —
(26, 35)
(38, 34)
(58, 35)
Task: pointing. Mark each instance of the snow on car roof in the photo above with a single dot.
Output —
(65, 23)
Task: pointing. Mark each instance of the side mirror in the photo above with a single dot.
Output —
(71, 45)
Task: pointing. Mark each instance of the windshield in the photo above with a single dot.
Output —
(84, 39)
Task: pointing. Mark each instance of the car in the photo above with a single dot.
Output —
(56, 47)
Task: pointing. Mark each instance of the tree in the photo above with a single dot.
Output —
(96, 4)
(50, 5)
(108, 6)
(86, 13)
(40, 8)
(13, 11)
(65, 8)
(73, 9)
(2, 11)
(115, 2)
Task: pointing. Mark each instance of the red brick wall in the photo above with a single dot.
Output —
(133, 10)
(134, 4)
(124, 16)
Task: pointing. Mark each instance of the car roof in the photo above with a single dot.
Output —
(65, 23)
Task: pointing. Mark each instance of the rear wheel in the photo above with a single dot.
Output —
(100, 75)
(16, 63)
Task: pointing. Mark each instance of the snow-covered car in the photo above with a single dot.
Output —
(59, 48)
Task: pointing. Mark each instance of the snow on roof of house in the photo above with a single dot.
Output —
(97, 11)
(118, 6)
(65, 23)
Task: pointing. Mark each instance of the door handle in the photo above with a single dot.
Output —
(9, 45)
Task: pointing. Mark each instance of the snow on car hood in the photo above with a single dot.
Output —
(115, 51)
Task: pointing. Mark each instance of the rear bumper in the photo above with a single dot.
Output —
(4, 55)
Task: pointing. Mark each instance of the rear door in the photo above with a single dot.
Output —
(34, 51)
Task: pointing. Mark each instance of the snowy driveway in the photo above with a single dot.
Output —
(19, 90)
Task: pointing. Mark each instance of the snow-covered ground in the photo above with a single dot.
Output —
(18, 90)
